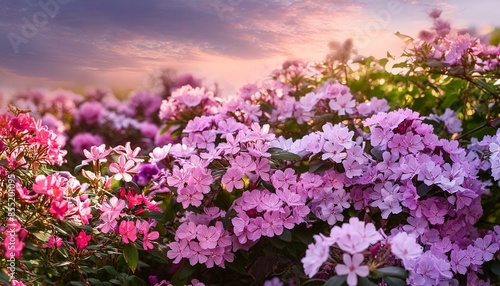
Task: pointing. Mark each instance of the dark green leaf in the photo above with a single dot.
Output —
(377, 153)
(495, 267)
(336, 281)
(79, 168)
(363, 281)
(394, 271)
(280, 154)
(135, 281)
(187, 270)
(238, 267)
(423, 189)
(110, 269)
(319, 166)
(131, 256)
(286, 235)
(181, 277)
(267, 108)
(156, 215)
(393, 281)
(176, 132)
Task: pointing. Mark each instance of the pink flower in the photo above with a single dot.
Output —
(200, 179)
(283, 179)
(208, 236)
(109, 223)
(189, 196)
(129, 153)
(82, 240)
(316, 254)
(352, 268)
(198, 254)
(147, 237)
(343, 103)
(128, 231)
(96, 154)
(123, 169)
(233, 179)
(405, 247)
(178, 250)
(114, 207)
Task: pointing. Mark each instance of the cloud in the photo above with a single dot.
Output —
(88, 40)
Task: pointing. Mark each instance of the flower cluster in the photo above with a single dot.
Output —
(457, 52)
(422, 185)
(187, 102)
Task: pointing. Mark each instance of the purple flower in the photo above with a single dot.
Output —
(146, 173)
(84, 141)
(89, 113)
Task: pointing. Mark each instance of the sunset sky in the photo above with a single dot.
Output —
(118, 43)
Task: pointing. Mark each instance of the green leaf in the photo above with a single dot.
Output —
(394, 281)
(286, 235)
(180, 278)
(79, 168)
(176, 132)
(135, 281)
(495, 267)
(400, 65)
(394, 271)
(319, 166)
(280, 154)
(423, 189)
(131, 256)
(383, 62)
(336, 281)
(110, 269)
(4, 278)
(238, 267)
(156, 215)
(363, 281)
(267, 108)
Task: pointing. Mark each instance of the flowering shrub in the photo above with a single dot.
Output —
(317, 176)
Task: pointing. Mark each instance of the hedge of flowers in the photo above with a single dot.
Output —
(326, 174)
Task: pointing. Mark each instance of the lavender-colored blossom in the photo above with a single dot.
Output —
(84, 141)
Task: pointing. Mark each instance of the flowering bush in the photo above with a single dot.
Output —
(317, 176)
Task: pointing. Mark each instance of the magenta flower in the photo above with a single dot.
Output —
(59, 209)
(352, 268)
(82, 240)
(54, 241)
